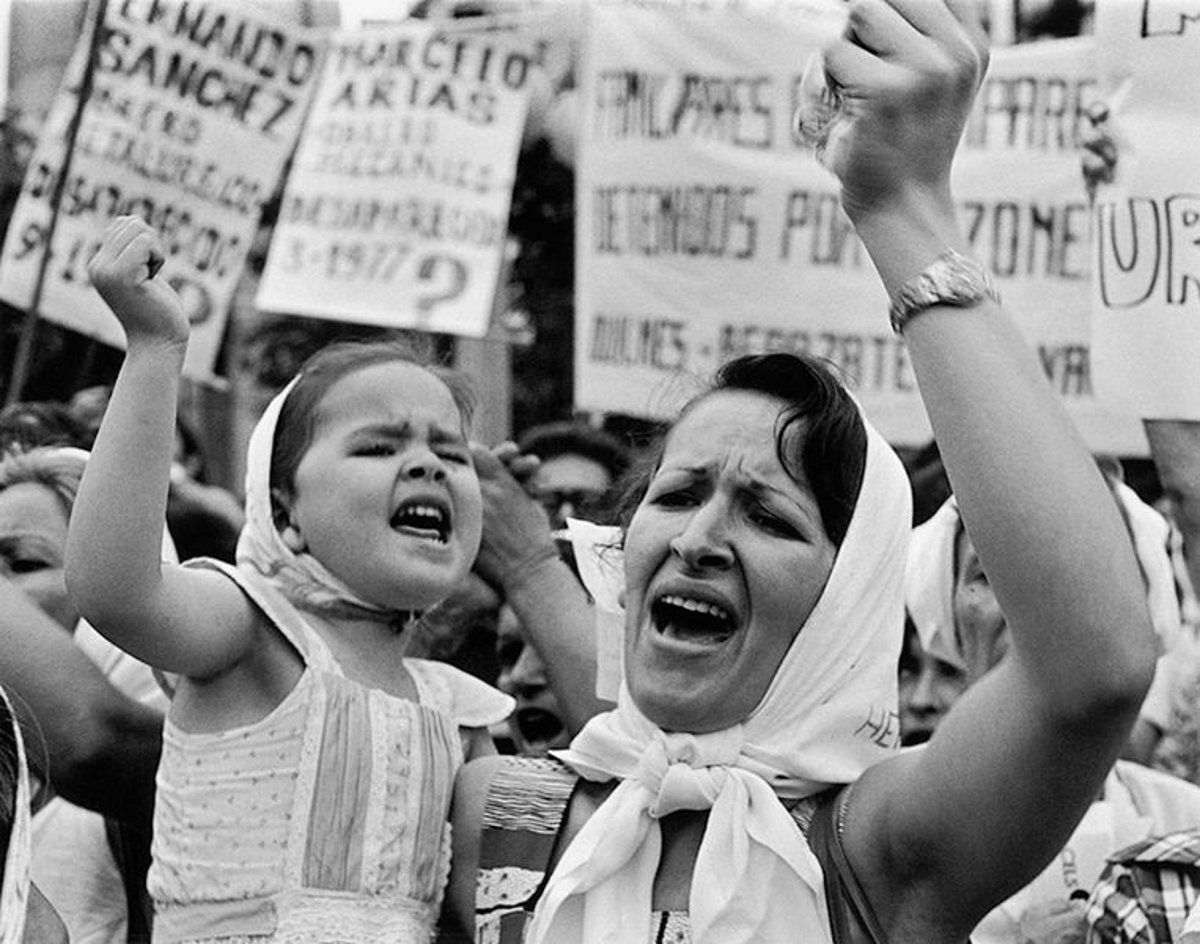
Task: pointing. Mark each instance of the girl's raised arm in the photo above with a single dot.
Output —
(1021, 756)
(191, 622)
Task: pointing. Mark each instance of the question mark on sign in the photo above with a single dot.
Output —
(434, 287)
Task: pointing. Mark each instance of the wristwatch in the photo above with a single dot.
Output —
(951, 279)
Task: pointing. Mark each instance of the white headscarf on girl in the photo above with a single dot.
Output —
(302, 578)
(930, 574)
(829, 713)
(14, 891)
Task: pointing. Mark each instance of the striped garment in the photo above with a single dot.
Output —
(326, 820)
(1146, 891)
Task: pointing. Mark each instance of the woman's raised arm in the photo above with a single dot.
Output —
(1021, 756)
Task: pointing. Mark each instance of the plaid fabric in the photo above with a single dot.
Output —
(1146, 891)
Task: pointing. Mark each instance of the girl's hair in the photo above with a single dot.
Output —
(830, 452)
(298, 416)
(58, 469)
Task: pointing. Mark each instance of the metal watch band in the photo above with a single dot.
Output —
(951, 279)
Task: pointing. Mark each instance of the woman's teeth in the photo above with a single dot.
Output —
(690, 620)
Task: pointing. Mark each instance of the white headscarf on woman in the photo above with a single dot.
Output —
(302, 578)
(829, 713)
(14, 890)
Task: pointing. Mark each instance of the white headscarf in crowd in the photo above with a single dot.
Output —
(930, 574)
(301, 578)
(828, 714)
(929, 583)
(14, 891)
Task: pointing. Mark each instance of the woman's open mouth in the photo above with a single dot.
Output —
(423, 519)
(688, 620)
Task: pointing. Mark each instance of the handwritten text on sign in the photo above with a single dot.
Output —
(1024, 207)
(193, 110)
(706, 232)
(396, 209)
(1147, 291)
(702, 225)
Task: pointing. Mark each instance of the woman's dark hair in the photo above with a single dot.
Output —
(831, 452)
(297, 418)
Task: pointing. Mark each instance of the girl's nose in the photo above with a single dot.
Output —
(425, 467)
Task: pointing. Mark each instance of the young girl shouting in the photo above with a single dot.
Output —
(307, 765)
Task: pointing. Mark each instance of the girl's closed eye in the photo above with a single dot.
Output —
(376, 448)
(457, 456)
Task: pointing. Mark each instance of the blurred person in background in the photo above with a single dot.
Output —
(90, 858)
(537, 724)
(27, 425)
(928, 687)
(205, 519)
(578, 469)
(26, 916)
(959, 624)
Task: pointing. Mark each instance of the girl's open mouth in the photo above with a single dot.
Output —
(423, 520)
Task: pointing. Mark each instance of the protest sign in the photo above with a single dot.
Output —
(1147, 289)
(396, 209)
(193, 110)
(704, 230)
(1025, 210)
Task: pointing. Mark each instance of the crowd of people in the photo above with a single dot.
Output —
(361, 703)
